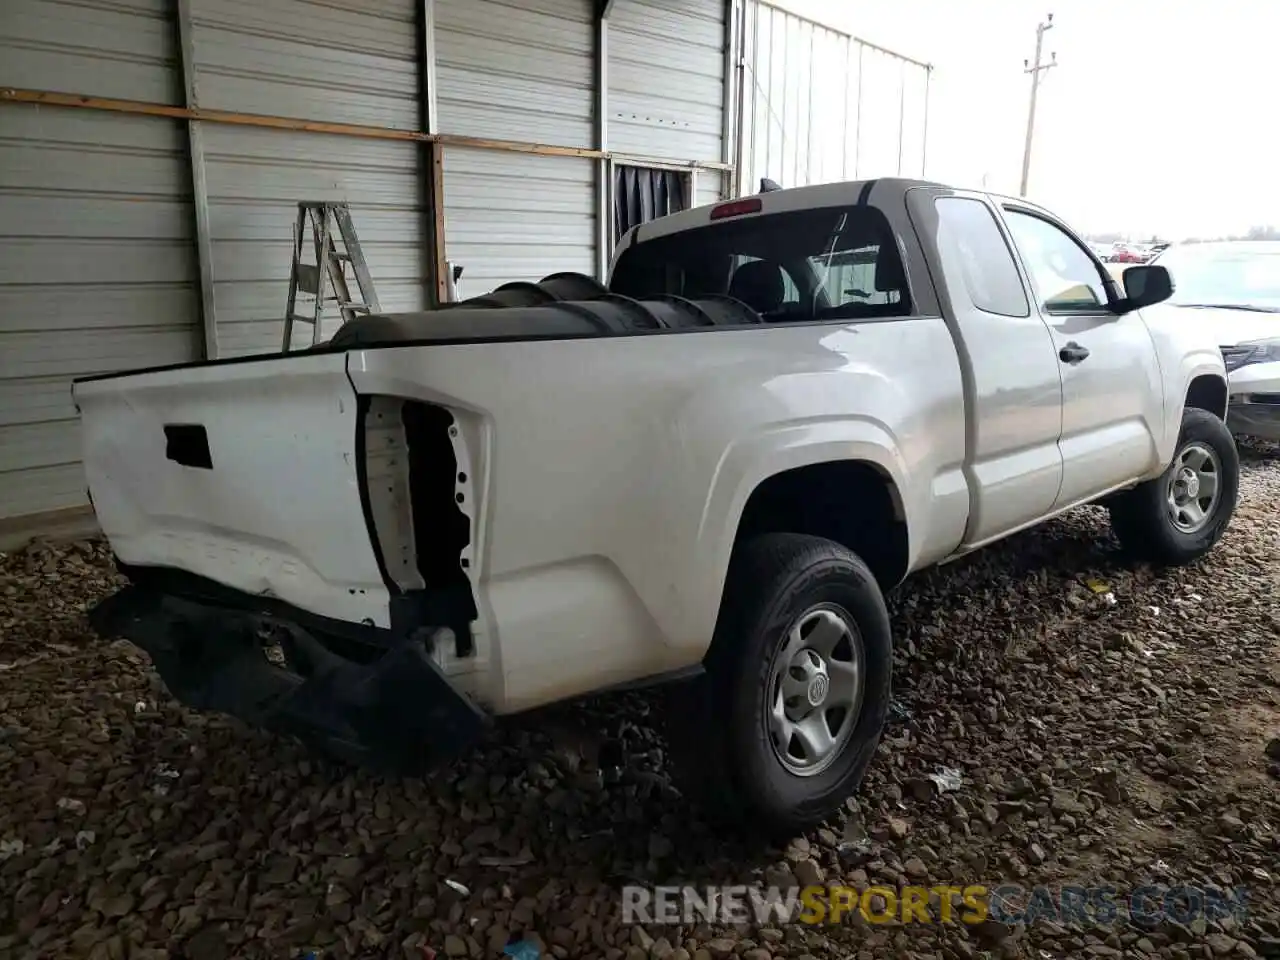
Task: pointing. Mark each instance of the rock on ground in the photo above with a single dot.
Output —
(1098, 743)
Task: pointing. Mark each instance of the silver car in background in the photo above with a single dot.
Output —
(1234, 286)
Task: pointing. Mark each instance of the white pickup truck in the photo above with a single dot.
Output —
(708, 471)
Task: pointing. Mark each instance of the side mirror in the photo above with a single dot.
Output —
(1144, 286)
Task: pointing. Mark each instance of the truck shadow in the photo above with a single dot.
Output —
(1257, 452)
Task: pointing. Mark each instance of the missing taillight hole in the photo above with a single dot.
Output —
(441, 531)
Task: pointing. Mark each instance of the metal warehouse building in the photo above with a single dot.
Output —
(152, 153)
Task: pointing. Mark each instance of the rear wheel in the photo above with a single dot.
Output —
(781, 728)
(1181, 515)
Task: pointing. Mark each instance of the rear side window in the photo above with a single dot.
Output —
(971, 241)
(833, 263)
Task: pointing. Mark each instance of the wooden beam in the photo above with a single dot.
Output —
(75, 100)
(49, 98)
(199, 185)
(435, 206)
(68, 523)
(662, 163)
(432, 168)
(515, 146)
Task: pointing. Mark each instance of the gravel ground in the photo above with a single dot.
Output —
(1114, 739)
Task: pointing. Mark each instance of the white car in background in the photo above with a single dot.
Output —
(1235, 286)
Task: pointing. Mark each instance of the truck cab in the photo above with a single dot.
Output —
(1069, 395)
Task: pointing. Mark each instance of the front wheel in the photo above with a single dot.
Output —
(781, 729)
(1181, 515)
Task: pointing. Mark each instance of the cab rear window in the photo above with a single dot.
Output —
(825, 264)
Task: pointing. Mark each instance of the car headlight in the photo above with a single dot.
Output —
(1244, 354)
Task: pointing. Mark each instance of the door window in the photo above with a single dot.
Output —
(1065, 277)
(972, 243)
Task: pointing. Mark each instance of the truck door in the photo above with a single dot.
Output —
(1013, 389)
(1112, 393)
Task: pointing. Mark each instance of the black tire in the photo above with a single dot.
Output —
(719, 737)
(1141, 517)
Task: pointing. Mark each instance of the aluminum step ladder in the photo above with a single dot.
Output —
(326, 279)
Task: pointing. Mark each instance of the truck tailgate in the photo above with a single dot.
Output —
(243, 472)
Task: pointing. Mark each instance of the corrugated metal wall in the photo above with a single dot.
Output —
(510, 216)
(109, 48)
(527, 71)
(296, 58)
(821, 106)
(666, 78)
(97, 266)
(517, 72)
(98, 253)
(712, 187)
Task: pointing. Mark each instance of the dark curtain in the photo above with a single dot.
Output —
(641, 194)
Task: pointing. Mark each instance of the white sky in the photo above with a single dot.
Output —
(1158, 119)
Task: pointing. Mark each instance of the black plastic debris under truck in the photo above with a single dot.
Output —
(367, 696)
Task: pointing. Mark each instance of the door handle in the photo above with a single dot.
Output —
(1072, 353)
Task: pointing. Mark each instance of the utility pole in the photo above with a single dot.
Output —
(1035, 70)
